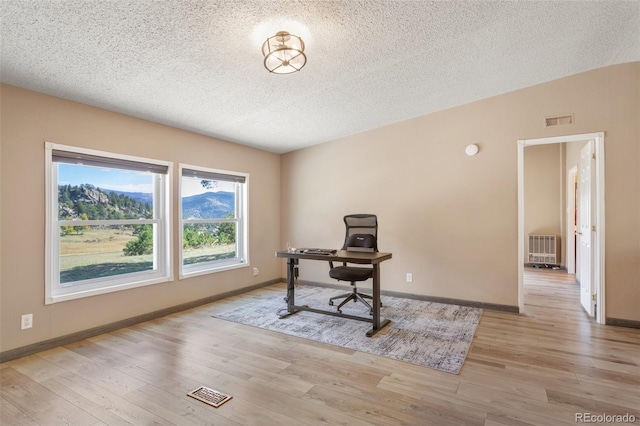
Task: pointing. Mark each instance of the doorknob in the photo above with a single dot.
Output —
(579, 233)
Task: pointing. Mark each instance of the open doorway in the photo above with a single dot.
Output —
(593, 231)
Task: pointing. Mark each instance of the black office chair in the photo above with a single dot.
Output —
(361, 235)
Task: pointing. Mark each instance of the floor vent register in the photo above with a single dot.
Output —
(209, 396)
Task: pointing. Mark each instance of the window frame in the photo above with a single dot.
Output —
(162, 259)
(242, 226)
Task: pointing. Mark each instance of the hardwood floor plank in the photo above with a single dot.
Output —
(39, 403)
(517, 408)
(36, 368)
(10, 415)
(103, 414)
(387, 408)
(438, 400)
(495, 420)
(623, 395)
(115, 404)
(421, 383)
(581, 404)
(623, 367)
(493, 383)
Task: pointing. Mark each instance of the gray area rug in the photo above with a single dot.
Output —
(429, 334)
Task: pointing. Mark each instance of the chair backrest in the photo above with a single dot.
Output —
(361, 233)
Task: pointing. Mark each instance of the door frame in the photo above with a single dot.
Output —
(570, 238)
(598, 280)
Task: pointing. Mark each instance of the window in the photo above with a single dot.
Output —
(213, 209)
(107, 222)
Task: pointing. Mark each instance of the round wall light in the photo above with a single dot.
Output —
(471, 150)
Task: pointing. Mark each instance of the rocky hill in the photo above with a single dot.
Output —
(99, 204)
(74, 201)
(208, 205)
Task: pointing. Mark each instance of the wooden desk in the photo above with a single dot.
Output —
(364, 258)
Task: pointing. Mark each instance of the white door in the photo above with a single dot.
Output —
(572, 224)
(586, 200)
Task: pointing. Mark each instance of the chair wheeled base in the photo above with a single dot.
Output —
(355, 296)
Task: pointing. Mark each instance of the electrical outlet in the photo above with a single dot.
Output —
(256, 271)
(409, 277)
(26, 322)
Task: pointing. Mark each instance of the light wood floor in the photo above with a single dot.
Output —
(539, 368)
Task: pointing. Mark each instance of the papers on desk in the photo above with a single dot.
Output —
(317, 251)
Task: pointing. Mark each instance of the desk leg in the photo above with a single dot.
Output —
(376, 302)
(291, 276)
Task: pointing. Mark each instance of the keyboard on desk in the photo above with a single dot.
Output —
(318, 251)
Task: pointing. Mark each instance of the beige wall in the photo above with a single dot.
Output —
(28, 120)
(543, 168)
(450, 219)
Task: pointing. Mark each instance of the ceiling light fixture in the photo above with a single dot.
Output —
(284, 53)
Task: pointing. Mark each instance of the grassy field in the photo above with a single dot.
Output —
(208, 254)
(97, 252)
(96, 240)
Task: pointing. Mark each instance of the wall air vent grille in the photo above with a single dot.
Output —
(557, 121)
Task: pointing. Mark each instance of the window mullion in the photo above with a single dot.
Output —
(189, 221)
(119, 222)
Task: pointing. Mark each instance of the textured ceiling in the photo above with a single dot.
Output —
(197, 65)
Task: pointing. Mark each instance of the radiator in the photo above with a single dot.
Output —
(544, 249)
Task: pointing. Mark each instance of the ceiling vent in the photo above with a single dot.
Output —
(557, 121)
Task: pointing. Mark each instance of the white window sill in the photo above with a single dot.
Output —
(211, 270)
(72, 295)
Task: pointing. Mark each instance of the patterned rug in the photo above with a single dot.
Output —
(429, 334)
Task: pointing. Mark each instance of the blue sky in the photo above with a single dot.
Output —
(126, 180)
(192, 186)
(114, 179)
